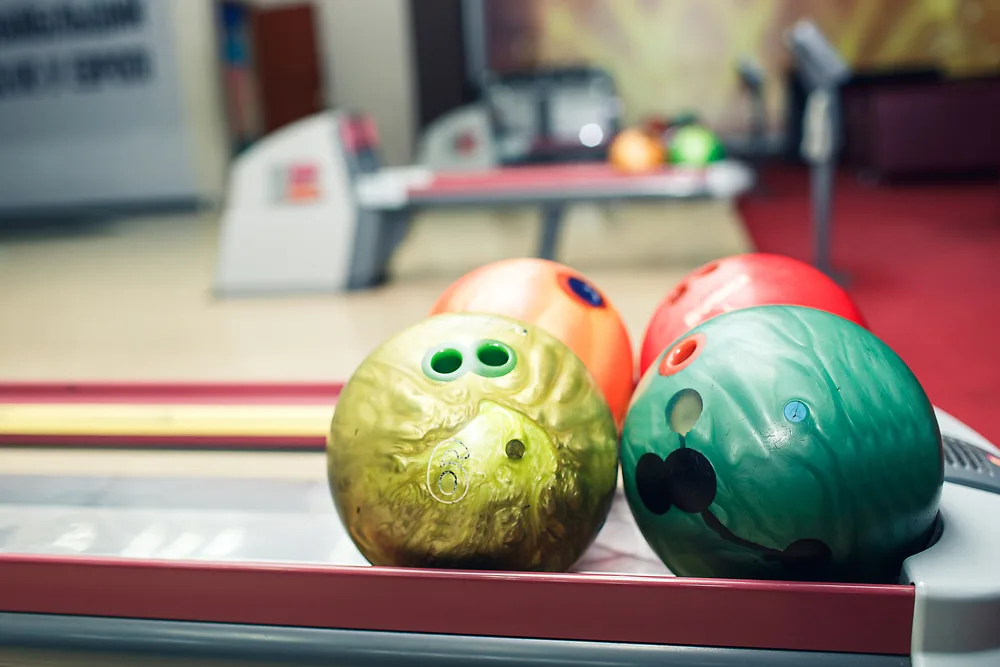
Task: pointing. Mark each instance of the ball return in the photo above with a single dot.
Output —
(311, 208)
(219, 568)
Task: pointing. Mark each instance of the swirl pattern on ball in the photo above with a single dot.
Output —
(782, 442)
(472, 441)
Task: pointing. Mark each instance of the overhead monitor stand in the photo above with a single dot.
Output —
(823, 72)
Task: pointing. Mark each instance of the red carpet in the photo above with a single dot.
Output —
(924, 267)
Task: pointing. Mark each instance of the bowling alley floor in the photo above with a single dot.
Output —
(131, 299)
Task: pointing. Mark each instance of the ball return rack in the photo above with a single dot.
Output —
(215, 569)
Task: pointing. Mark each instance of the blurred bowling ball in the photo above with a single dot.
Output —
(472, 441)
(782, 442)
(564, 303)
(754, 279)
(694, 146)
(656, 125)
(636, 151)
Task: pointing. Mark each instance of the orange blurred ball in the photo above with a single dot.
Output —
(564, 303)
(636, 151)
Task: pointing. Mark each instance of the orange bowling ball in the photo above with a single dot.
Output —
(564, 303)
(636, 151)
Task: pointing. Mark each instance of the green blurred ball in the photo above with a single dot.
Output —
(782, 442)
(694, 146)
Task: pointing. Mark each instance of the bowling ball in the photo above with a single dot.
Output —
(636, 151)
(781, 442)
(694, 146)
(564, 303)
(472, 441)
(740, 281)
(655, 125)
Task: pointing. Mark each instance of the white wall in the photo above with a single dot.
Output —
(370, 66)
(199, 69)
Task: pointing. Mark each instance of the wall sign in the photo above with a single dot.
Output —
(90, 104)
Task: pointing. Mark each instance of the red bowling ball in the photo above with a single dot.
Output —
(741, 281)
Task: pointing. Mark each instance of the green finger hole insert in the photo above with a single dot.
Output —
(495, 358)
(443, 364)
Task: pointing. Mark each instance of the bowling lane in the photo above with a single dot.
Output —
(148, 277)
(200, 415)
(210, 506)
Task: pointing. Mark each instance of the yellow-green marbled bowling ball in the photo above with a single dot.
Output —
(473, 441)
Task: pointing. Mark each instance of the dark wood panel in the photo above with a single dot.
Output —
(439, 51)
(286, 59)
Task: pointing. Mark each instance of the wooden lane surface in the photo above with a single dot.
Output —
(140, 415)
(129, 299)
(180, 411)
(164, 420)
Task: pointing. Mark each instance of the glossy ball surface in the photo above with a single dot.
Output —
(475, 442)
(741, 281)
(694, 146)
(636, 151)
(781, 442)
(562, 301)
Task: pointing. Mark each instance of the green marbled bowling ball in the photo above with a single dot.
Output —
(694, 146)
(782, 442)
